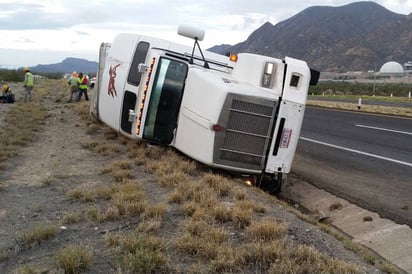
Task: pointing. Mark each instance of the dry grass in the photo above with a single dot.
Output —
(25, 269)
(110, 134)
(166, 161)
(130, 208)
(388, 268)
(137, 153)
(225, 261)
(21, 122)
(107, 149)
(306, 259)
(261, 255)
(149, 226)
(47, 181)
(219, 229)
(93, 128)
(121, 175)
(37, 234)
(104, 192)
(71, 217)
(203, 203)
(112, 213)
(82, 194)
(221, 213)
(241, 217)
(94, 215)
(267, 230)
(83, 110)
(4, 255)
(74, 259)
(90, 145)
(122, 164)
(126, 199)
(139, 253)
(218, 183)
(239, 194)
(174, 178)
(202, 240)
(402, 111)
(155, 211)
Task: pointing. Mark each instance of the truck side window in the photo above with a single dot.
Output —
(294, 81)
(139, 57)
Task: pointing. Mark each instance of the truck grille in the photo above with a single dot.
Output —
(248, 123)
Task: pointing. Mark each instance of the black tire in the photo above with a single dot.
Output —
(270, 183)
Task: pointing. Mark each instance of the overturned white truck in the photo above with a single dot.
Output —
(241, 113)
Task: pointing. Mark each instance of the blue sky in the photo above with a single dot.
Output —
(45, 32)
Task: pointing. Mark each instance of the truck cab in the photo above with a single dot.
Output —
(241, 113)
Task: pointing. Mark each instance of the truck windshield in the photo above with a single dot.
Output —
(165, 98)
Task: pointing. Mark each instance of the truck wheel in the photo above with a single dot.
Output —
(271, 183)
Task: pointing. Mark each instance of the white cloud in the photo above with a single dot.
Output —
(78, 27)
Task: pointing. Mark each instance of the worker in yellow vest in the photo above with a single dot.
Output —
(8, 96)
(28, 84)
(82, 87)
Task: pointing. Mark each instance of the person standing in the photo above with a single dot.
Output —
(82, 87)
(74, 85)
(28, 84)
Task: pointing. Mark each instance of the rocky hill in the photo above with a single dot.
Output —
(357, 36)
(68, 65)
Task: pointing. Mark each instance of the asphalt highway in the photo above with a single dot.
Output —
(364, 158)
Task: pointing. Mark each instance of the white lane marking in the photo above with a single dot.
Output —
(358, 151)
(385, 129)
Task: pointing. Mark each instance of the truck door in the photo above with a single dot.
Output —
(133, 81)
(165, 99)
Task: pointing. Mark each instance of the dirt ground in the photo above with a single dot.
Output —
(34, 187)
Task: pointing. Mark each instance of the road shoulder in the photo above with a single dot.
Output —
(390, 240)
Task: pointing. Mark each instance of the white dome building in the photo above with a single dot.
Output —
(391, 68)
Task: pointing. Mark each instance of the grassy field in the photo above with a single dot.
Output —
(368, 108)
(352, 97)
(348, 88)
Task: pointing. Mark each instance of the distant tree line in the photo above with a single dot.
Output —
(356, 88)
(15, 75)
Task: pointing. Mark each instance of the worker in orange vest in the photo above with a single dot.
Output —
(74, 85)
(82, 87)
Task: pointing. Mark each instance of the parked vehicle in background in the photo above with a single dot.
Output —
(92, 81)
(241, 113)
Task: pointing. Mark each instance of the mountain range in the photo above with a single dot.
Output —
(67, 66)
(360, 36)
